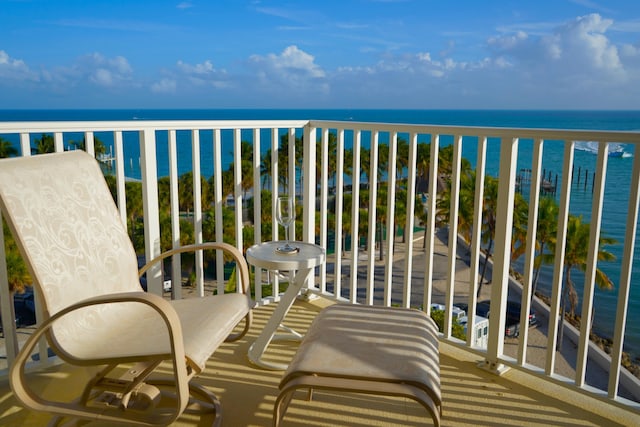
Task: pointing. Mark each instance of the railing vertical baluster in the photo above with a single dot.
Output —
(456, 164)
(501, 260)
(556, 293)
(257, 189)
(275, 177)
(324, 195)
(625, 278)
(592, 261)
(257, 208)
(237, 185)
(476, 238)
(89, 143)
(120, 177)
(355, 214)
(58, 142)
(176, 265)
(373, 201)
(150, 207)
(530, 252)
(339, 206)
(197, 209)
(431, 222)
(217, 173)
(391, 225)
(25, 143)
(291, 174)
(408, 231)
(309, 188)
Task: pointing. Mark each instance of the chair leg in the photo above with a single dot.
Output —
(281, 405)
(208, 403)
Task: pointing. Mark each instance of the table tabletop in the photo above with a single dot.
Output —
(264, 255)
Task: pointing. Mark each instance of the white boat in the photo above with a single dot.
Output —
(616, 150)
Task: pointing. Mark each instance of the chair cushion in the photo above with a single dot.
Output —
(132, 330)
(370, 343)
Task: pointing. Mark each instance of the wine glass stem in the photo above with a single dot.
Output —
(286, 236)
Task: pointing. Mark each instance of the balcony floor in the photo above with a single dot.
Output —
(470, 395)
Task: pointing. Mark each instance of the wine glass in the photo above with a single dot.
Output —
(285, 214)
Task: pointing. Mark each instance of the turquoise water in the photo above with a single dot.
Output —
(616, 191)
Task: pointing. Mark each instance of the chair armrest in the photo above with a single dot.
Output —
(241, 262)
(159, 304)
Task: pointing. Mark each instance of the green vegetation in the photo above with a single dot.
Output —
(575, 256)
(547, 214)
(7, 149)
(457, 330)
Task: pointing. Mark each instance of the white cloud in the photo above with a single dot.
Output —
(584, 40)
(293, 69)
(15, 69)
(292, 61)
(579, 49)
(104, 71)
(508, 42)
(164, 86)
(576, 63)
(203, 74)
(199, 69)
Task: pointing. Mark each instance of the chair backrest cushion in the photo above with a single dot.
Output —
(67, 227)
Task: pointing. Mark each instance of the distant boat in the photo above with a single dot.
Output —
(615, 149)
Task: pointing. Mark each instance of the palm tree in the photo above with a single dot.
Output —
(7, 149)
(519, 234)
(283, 158)
(332, 142)
(98, 146)
(465, 206)
(185, 192)
(423, 162)
(45, 144)
(346, 219)
(576, 254)
(265, 170)
(401, 212)
(402, 159)
(423, 216)
(489, 208)
(545, 234)
(246, 166)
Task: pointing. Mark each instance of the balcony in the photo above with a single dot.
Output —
(433, 261)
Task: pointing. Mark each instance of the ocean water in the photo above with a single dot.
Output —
(616, 191)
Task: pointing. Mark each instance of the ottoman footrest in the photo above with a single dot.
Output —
(365, 349)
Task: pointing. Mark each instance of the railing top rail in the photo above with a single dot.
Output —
(527, 133)
(133, 125)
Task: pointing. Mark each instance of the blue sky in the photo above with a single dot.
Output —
(491, 54)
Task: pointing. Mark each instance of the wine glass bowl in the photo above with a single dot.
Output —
(285, 215)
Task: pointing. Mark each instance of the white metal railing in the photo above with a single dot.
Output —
(405, 272)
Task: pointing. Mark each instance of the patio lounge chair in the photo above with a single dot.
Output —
(86, 279)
